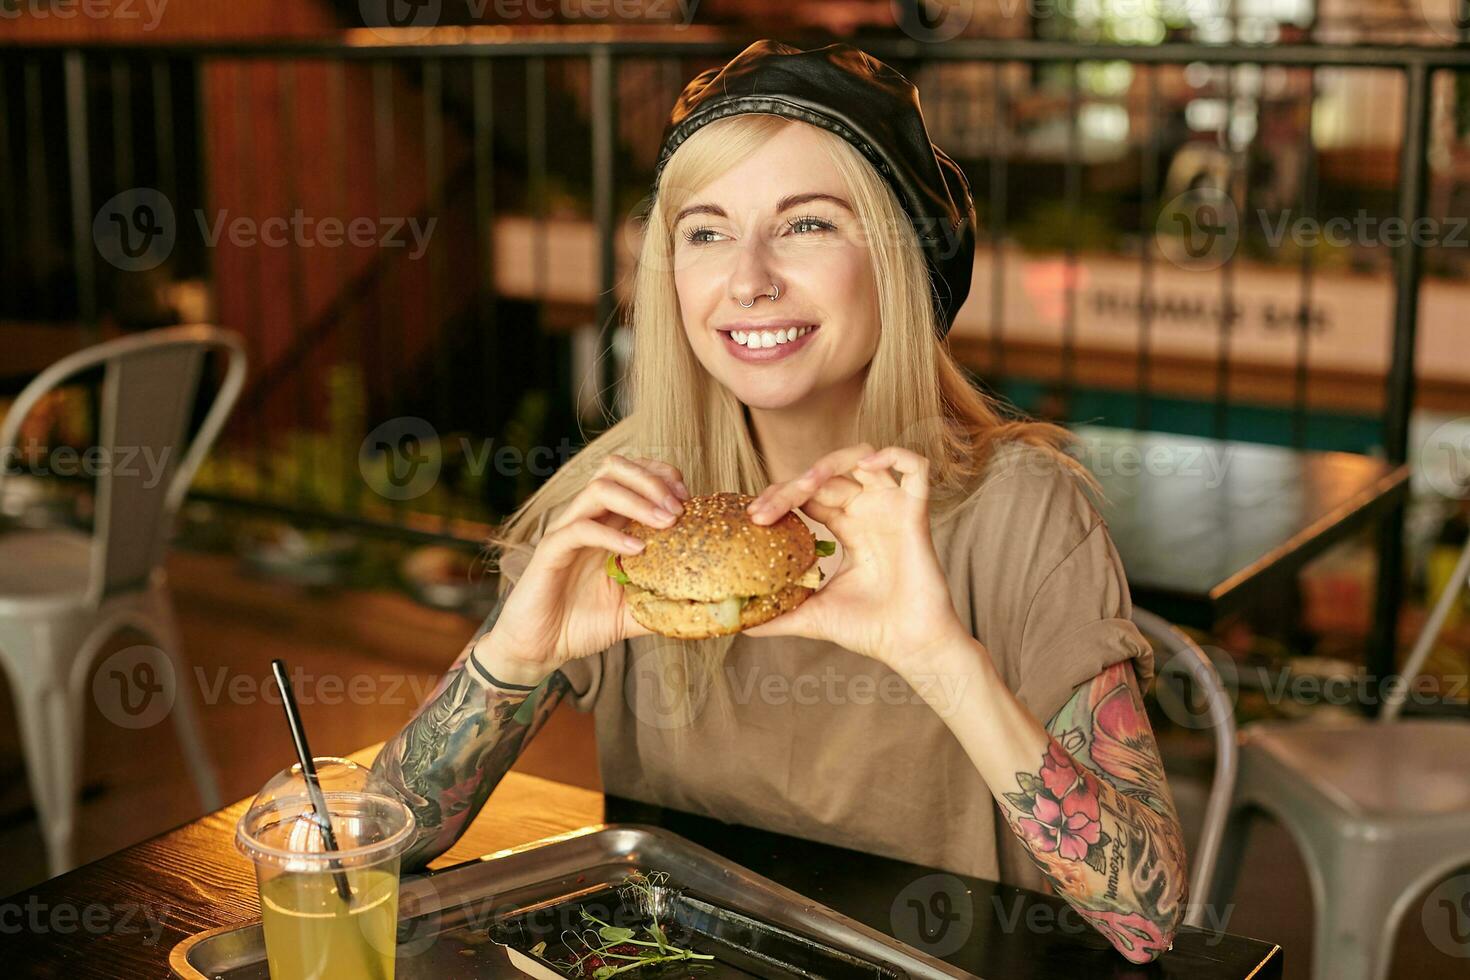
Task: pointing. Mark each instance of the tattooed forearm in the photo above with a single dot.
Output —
(452, 754)
(1097, 818)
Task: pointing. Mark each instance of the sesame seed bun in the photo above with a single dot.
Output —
(713, 552)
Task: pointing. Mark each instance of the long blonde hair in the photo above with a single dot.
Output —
(915, 395)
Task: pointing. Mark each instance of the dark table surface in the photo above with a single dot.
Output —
(120, 916)
(1206, 527)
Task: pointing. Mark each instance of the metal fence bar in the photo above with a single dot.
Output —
(536, 166)
(1227, 279)
(1072, 191)
(1308, 196)
(37, 196)
(483, 107)
(999, 162)
(74, 68)
(435, 314)
(384, 167)
(296, 276)
(122, 123)
(1148, 199)
(163, 127)
(10, 250)
(604, 197)
(253, 298)
(1408, 271)
(342, 267)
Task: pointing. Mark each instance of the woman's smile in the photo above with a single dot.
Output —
(761, 342)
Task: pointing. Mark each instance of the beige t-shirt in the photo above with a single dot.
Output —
(825, 744)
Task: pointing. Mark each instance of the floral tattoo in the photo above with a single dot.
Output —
(1097, 818)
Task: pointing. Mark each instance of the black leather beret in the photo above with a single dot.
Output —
(873, 107)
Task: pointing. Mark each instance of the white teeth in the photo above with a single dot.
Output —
(756, 339)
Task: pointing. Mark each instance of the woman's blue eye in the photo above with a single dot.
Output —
(809, 224)
(700, 235)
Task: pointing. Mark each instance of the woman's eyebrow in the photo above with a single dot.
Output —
(785, 204)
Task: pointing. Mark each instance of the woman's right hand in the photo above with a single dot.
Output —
(564, 605)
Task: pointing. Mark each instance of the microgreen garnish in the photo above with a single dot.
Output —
(610, 950)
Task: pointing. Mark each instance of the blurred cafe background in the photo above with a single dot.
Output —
(352, 269)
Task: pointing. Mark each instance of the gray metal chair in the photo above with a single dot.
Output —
(64, 593)
(1179, 658)
(1379, 810)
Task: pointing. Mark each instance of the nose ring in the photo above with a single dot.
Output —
(775, 295)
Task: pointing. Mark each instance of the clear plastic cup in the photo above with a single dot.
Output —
(311, 931)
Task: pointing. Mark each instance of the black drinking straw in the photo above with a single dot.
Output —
(308, 769)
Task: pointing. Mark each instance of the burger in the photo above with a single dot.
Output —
(714, 571)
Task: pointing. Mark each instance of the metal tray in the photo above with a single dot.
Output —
(451, 920)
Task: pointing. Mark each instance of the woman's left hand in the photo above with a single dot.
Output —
(889, 599)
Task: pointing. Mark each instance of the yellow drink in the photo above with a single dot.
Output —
(311, 934)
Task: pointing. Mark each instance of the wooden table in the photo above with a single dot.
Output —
(120, 916)
(1205, 528)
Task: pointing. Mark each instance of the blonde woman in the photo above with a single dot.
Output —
(964, 690)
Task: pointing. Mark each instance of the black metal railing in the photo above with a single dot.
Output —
(558, 134)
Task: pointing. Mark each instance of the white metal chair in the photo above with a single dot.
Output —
(1379, 810)
(64, 593)
(1178, 656)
